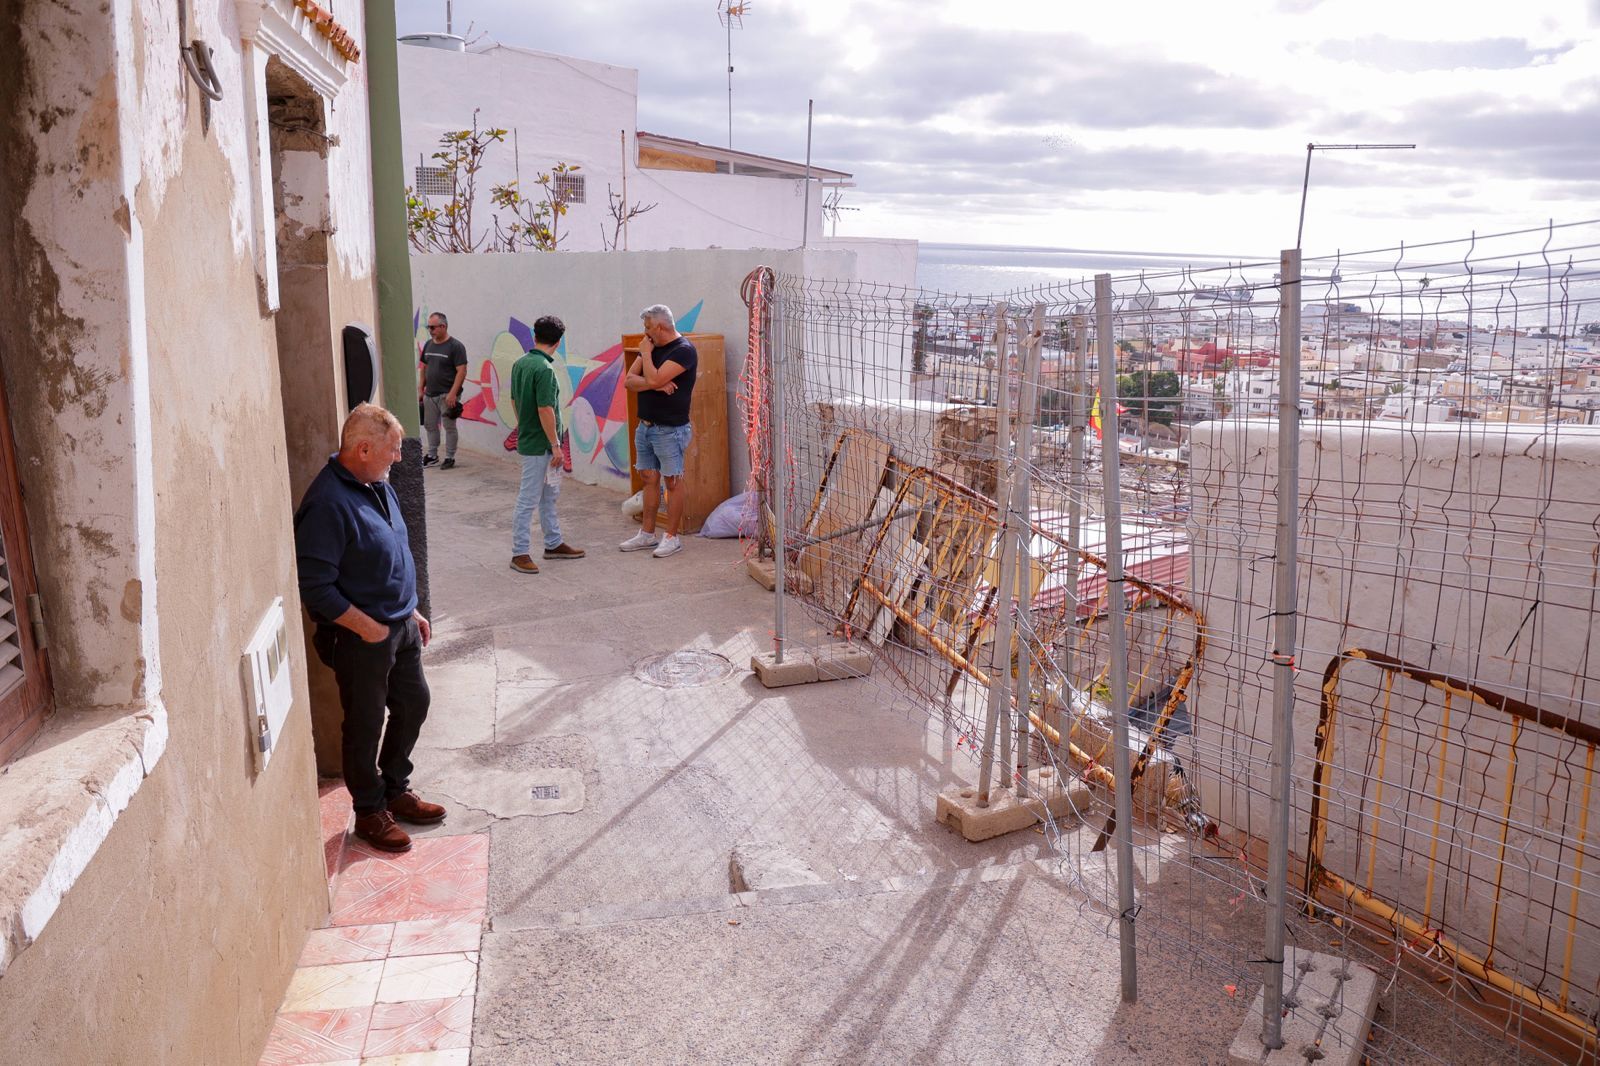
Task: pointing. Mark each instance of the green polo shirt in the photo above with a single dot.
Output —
(533, 385)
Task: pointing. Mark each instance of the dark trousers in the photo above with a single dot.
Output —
(373, 678)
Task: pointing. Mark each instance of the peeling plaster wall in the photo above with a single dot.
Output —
(151, 440)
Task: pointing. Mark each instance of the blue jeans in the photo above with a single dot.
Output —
(661, 448)
(534, 493)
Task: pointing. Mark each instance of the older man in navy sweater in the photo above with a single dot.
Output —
(359, 583)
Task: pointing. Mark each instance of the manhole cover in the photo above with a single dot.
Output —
(683, 669)
(546, 792)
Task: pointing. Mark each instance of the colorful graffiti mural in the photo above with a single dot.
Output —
(593, 401)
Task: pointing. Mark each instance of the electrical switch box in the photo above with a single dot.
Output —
(267, 687)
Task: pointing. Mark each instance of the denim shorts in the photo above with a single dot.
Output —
(661, 448)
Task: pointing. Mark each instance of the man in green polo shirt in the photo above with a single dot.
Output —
(533, 396)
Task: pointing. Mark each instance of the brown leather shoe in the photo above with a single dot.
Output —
(564, 551)
(524, 564)
(380, 831)
(410, 807)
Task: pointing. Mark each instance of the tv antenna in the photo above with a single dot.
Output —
(731, 14)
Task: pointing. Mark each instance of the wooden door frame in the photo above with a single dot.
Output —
(23, 709)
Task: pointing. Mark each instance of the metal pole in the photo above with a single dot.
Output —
(1022, 522)
(1000, 650)
(1285, 600)
(1116, 610)
(623, 135)
(805, 212)
(777, 471)
(1077, 484)
(1305, 186)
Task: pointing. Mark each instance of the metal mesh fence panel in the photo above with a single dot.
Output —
(1040, 562)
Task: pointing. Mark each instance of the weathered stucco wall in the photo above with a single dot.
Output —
(493, 300)
(1469, 552)
(151, 432)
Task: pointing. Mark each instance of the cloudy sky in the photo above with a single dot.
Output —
(1148, 125)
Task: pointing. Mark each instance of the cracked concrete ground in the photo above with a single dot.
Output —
(613, 936)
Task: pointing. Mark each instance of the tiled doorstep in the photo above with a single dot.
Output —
(366, 1034)
(397, 988)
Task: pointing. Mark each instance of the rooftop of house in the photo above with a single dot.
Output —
(730, 161)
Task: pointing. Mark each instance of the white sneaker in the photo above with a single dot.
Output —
(640, 541)
(668, 546)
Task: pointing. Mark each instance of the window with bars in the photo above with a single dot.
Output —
(432, 181)
(569, 187)
(24, 681)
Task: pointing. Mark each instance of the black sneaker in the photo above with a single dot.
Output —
(448, 464)
(429, 460)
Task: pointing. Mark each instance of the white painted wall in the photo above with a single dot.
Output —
(1466, 550)
(599, 296)
(577, 111)
(886, 261)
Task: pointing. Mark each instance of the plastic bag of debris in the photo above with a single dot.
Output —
(633, 506)
(734, 517)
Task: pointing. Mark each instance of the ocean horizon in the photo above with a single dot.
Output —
(990, 269)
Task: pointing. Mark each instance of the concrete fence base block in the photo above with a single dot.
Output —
(1006, 812)
(801, 666)
(797, 668)
(1329, 1004)
(765, 575)
(838, 661)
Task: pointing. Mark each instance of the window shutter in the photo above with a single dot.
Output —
(24, 677)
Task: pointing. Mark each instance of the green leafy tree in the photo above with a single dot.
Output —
(1152, 394)
(447, 223)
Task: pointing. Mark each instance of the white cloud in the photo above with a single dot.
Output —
(1159, 125)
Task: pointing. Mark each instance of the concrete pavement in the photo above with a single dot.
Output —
(613, 799)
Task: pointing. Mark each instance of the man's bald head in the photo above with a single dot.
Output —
(370, 442)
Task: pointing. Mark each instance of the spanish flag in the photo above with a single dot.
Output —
(1094, 418)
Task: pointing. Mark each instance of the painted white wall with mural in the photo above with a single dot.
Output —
(493, 300)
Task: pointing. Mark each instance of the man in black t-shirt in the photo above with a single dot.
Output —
(443, 363)
(663, 376)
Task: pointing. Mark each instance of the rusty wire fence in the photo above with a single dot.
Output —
(1130, 541)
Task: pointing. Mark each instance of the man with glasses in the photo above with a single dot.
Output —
(444, 369)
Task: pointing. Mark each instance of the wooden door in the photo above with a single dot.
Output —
(705, 467)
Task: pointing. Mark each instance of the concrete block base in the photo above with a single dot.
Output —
(1006, 812)
(765, 575)
(1329, 1002)
(838, 661)
(797, 668)
(801, 666)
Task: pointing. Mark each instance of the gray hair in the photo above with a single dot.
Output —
(659, 312)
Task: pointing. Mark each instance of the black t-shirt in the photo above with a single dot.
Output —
(656, 406)
(441, 361)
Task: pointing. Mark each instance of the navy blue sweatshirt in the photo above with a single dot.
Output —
(351, 543)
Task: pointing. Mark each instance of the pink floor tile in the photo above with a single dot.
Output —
(320, 1036)
(435, 936)
(422, 1025)
(428, 854)
(349, 943)
(334, 805)
(459, 895)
